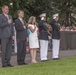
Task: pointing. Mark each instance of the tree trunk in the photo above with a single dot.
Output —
(68, 14)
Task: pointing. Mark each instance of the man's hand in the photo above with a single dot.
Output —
(24, 27)
(10, 21)
(13, 37)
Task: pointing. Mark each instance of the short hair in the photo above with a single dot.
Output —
(4, 6)
(19, 11)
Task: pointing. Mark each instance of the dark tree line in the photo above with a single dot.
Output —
(65, 8)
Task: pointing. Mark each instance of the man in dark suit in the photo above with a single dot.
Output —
(55, 36)
(6, 35)
(21, 38)
(43, 36)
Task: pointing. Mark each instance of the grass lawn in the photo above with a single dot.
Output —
(65, 66)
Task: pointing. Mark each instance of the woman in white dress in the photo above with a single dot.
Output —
(33, 38)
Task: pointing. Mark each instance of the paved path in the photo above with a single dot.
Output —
(63, 54)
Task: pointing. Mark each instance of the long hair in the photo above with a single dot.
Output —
(30, 21)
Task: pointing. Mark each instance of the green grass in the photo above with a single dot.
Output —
(65, 66)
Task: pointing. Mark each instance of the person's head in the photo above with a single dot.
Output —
(20, 13)
(5, 9)
(32, 20)
(56, 17)
(43, 16)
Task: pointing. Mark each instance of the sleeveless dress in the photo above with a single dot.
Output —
(33, 37)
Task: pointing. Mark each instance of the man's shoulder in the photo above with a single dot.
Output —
(41, 21)
(52, 20)
(1, 15)
(16, 20)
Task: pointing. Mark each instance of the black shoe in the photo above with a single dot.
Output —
(4, 66)
(9, 65)
(56, 58)
(22, 63)
(25, 64)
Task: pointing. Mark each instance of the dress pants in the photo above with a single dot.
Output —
(6, 46)
(21, 52)
(43, 49)
(55, 48)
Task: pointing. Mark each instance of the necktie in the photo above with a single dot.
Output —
(23, 24)
(7, 18)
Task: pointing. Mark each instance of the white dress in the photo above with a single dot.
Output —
(33, 38)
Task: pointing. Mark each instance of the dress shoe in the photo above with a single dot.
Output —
(9, 65)
(56, 58)
(44, 60)
(4, 66)
(25, 64)
(22, 63)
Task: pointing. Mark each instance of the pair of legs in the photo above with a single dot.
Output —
(43, 49)
(33, 52)
(56, 45)
(21, 52)
(6, 46)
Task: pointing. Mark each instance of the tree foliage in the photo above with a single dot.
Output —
(65, 8)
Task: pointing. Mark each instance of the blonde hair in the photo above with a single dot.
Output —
(31, 19)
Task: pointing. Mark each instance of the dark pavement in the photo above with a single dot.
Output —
(63, 54)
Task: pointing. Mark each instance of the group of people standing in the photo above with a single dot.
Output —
(27, 33)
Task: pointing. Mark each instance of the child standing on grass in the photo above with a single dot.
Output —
(33, 38)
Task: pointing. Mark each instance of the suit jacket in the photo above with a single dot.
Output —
(20, 31)
(43, 30)
(6, 30)
(55, 29)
